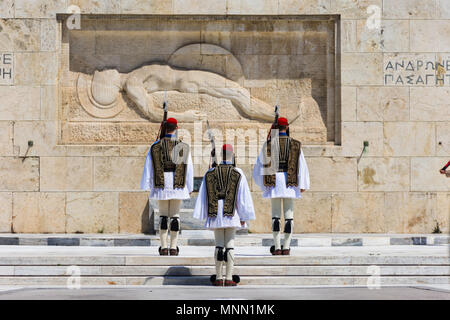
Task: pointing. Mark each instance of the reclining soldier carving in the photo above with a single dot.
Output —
(104, 87)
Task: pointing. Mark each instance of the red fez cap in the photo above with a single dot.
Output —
(282, 121)
(227, 147)
(173, 121)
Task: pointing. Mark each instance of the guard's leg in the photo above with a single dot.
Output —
(276, 227)
(219, 235)
(229, 256)
(288, 208)
(174, 209)
(163, 206)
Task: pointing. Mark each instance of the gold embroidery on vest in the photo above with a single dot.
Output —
(161, 153)
(222, 182)
(288, 155)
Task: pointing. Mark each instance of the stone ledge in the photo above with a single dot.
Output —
(199, 238)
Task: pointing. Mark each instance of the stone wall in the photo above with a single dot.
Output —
(389, 95)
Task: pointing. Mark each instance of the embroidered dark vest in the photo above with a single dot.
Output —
(222, 183)
(289, 153)
(169, 156)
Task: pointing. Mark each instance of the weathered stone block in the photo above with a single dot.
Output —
(409, 212)
(44, 136)
(348, 36)
(92, 212)
(127, 178)
(442, 9)
(332, 174)
(37, 68)
(407, 241)
(66, 173)
(49, 103)
(358, 212)
(7, 9)
(251, 7)
(346, 242)
(425, 174)
(92, 151)
(67, 242)
(409, 138)
(303, 7)
(20, 103)
(5, 212)
(348, 104)
(350, 9)
(39, 8)
(312, 213)
(20, 35)
(409, 9)
(6, 138)
(199, 7)
(383, 174)
(442, 138)
(134, 151)
(49, 35)
(420, 36)
(134, 133)
(94, 133)
(97, 6)
(9, 241)
(383, 104)
(442, 216)
(18, 175)
(132, 242)
(39, 212)
(134, 213)
(355, 133)
(430, 104)
(146, 6)
(392, 36)
(362, 69)
(419, 241)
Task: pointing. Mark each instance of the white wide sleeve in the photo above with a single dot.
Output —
(189, 174)
(303, 172)
(200, 211)
(147, 174)
(258, 174)
(244, 202)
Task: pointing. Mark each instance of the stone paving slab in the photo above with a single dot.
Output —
(205, 238)
(207, 270)
(287, 292)
(195, 251)
(192, 255)
(204, 280)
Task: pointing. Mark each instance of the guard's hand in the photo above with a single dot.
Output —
(442, 171)
(302, 190)
(242, 223)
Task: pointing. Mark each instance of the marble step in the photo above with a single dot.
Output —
(245, 260)
(206, 238)
(204, 280)
(399, 270)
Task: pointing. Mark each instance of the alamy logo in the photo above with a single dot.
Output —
(74, 20)
(374, 20)
(74, 280)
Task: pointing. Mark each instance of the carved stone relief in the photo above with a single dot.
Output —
(202, 81)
